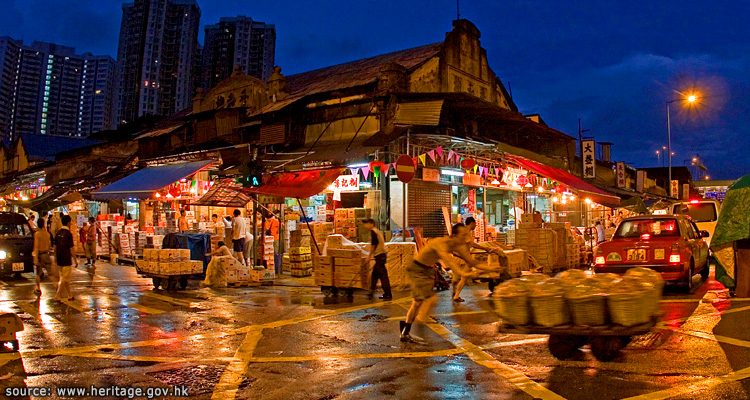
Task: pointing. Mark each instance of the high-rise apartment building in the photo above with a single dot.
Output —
(44, 88)
(157, 47)
(238, 41)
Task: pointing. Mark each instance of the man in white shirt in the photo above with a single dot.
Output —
(238, 236)
(600, 237)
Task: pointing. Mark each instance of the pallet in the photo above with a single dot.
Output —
(607, 330)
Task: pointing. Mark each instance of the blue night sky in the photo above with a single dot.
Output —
(612, 64)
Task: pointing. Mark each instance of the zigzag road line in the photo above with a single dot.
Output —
(693, 388)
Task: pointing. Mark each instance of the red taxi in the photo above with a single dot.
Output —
(669, 244)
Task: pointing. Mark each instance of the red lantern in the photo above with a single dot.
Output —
(377, 167)
(522, 180)
(468, 163)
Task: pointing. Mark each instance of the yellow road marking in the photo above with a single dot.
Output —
(696, 386)
(514, 343)
(73, 305)
(352, 356)
(137, 306)
(168, 299)
(483, 358)
(122, 357)
(401, 318)
(232, 377)
(234, 373)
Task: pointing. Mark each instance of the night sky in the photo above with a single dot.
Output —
(613, 66)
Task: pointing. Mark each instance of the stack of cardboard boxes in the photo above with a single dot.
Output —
(542, 244)
(268, 252)
(320, 231)
(169, 262)
(238, 274)
(300, 253)
(398, 257)
(350, 269)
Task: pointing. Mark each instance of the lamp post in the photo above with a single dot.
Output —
(689, 99)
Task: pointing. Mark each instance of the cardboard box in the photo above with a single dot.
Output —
(344, 253)
(255, 275)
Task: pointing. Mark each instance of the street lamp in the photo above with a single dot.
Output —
(688, 99)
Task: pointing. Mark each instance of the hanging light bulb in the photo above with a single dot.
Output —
(540, 189)
(495, 182)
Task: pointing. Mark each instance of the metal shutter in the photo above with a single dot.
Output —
(426, 202)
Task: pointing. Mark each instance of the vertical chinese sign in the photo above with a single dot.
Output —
(588, 157)
(674, 189)
(620, 175)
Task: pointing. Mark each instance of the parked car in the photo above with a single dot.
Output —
(670, 244)
(16, 244)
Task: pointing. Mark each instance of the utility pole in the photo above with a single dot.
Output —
(458, 9)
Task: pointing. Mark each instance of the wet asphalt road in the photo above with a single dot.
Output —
(288, 342)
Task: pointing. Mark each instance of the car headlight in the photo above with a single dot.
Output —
(3, 255)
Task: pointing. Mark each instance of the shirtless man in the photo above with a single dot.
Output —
(422, 273)
(459, 279)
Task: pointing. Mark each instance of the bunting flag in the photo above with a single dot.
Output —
(387, 169)
(481, 170)
(354, 171)
(431, 153)
(475, 168)
(450, 156)
(366, 172)
(439, 151)
(423, 159)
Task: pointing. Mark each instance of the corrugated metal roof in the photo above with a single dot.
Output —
(159, 132)
(419, 113)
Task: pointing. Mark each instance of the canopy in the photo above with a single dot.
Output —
(143, 183)
(224, 193)
(597, 195)
(733, 225)
(635, 204)
(299, 184)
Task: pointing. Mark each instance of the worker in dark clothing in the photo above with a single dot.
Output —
(377, 253)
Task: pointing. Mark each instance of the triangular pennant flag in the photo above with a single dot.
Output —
(439, 151)
(414, 160)
(475, 168)
(354, 171)
(423, 159)
(431, 153)
(387, 169)
(366, 172)
(481, 170)
(450, 156)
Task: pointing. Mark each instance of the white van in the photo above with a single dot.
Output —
(704, 212)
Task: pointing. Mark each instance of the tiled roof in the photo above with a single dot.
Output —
(356, 73)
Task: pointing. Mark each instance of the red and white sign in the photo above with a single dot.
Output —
(620, 174)
(345, 183)
(430, 175)
(405, 168)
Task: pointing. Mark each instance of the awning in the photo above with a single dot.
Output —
(143, 183)
(597, 195)
(419, 113)
(224, 193)
(298, 185)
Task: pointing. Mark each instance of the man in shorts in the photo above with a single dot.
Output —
(41, 253)
(238, 236)
(422, 273)
(460, 279)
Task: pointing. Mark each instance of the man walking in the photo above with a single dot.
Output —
(238, 236)
(422, 274)
(377, 253)
(42, 260)
(65, 259)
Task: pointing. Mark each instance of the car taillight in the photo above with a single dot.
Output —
(600, 260)
(674, 258)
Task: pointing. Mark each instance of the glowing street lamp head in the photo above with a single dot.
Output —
(692, 98)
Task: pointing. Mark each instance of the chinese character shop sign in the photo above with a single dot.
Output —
(345, 183)
(588, 156)
(620, 174)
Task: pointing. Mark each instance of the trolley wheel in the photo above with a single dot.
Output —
(171, 284)
(183, 282)
(492, 284)
(625, 340)
(565, 347)
(349, 292)
(156, 281)
(327, 291)
(14, 345)
(606, 348)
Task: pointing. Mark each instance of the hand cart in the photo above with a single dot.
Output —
(564, 342)
(167, 282)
